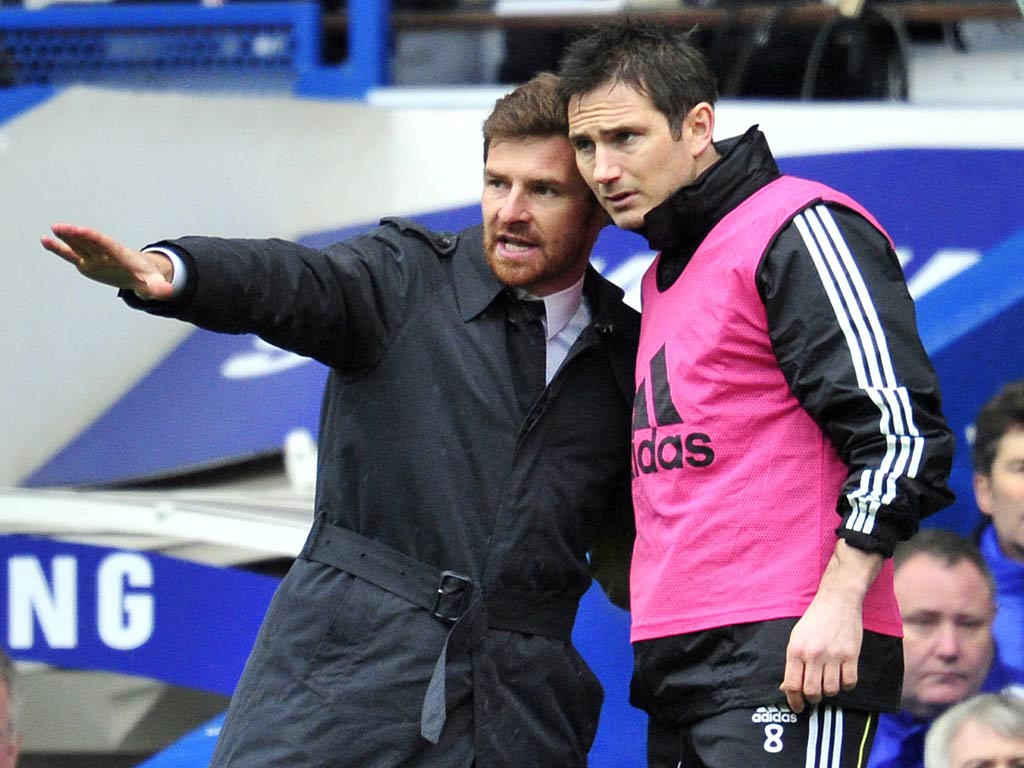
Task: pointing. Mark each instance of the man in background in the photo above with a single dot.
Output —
(947, 600)
(986, 731)
(998, 458)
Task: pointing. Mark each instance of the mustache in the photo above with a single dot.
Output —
(515, 231)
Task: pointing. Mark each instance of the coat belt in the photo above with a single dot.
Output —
(447, 596)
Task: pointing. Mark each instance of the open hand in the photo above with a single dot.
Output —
(103, 259)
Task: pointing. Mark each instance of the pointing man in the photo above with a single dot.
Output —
(467, 483)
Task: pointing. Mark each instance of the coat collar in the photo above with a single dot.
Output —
(476, 286)
(682, 221)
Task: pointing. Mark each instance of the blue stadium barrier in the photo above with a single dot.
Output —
(241, 47)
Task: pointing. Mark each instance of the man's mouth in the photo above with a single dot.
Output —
(947, 678)
(620, 199)
(513, 246)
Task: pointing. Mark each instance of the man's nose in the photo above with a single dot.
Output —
(948, 641)
(514, 208)
(606, 166)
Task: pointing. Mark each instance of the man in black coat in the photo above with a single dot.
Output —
(459, 513)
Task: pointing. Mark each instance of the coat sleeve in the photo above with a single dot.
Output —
(612, 551)
(339, 305)
(844, 331)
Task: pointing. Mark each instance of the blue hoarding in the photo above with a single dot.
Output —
(137, 613)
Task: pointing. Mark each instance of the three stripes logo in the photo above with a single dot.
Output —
(672, 449)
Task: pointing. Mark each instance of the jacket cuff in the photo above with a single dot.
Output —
(882, 539)
(185, 293)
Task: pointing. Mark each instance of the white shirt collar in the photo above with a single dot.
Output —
(560, 307)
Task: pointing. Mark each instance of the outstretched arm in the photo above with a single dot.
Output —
(107, 261)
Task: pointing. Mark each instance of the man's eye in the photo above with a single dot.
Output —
(971, 623)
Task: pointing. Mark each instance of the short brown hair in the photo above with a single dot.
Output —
(533, 110)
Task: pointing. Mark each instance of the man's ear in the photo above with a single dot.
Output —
(700, 127)
(983, 493)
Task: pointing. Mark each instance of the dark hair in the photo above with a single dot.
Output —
(533, 110)
(946, 546)
(659, 62)
(996, 417)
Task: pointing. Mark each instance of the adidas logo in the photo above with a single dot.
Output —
(773, 715)
(673, 450)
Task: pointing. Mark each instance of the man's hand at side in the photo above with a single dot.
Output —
(824, 647)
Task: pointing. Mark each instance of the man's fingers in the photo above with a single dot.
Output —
(87, 243)
(101, 258)
(849, 675)
(813, 673)
(67, 231)
(793, 685)
(831, 679)
(806, 682)
(70, 242)
(59, 248)
(796, 701)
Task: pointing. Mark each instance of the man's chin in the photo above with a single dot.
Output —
(628, 220)
(943, 699)
(514, 275)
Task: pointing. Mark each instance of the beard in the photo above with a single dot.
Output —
(552, 262)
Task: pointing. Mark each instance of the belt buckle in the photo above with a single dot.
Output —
(453, 586)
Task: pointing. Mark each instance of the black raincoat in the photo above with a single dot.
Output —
(428, 620)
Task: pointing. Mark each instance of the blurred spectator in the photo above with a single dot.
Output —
(857, 54)
(998, 457)
(985, 731)
(947, 600)
(10, 732)
(529, 51)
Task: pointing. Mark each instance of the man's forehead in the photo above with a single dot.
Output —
(1011, 444)
(920, 579)
(605, 87)
(607, 106)
(531, 143)
(537, 155)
